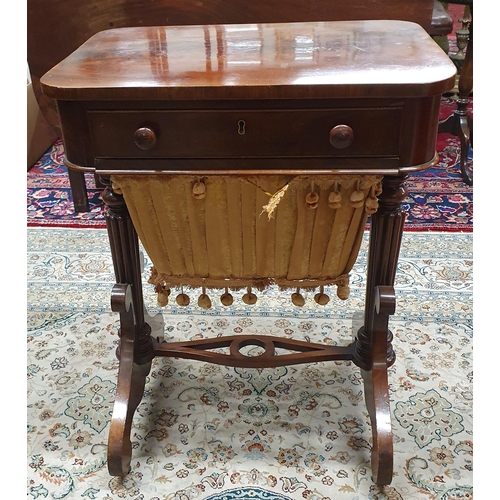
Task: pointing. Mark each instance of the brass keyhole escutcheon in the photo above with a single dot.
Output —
(241, 127)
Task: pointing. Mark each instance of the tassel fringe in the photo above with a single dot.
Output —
(163, 286)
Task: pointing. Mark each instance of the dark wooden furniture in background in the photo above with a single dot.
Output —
(314, 99)
(460, 122)
(56, 28)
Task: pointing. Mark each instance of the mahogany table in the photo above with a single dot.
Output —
(312, 98)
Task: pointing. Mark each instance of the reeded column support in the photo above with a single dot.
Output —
(127, 265)
(386, 232)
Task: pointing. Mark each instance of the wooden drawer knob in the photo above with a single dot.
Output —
(341, 136)
(145, 138)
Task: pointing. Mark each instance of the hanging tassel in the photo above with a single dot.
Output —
(116, 189)
(298, 299)
(163, 294)
(226, 298)
(312, 198)
(204, 300)
(357, 198)
(335, 198)
(343, 290)
(182, 299)
(249, 298)
(371, 204)
(199, 190)
(321, 298)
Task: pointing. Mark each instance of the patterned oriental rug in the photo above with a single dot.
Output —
(438, 199)
(205, 432)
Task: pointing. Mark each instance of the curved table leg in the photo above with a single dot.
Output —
(377, 390)
(130, 386)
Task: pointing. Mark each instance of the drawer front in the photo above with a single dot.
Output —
(246, 133)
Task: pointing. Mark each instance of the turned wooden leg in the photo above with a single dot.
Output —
(374, 352)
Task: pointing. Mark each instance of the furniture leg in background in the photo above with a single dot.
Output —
(460, 123)
(79, 189)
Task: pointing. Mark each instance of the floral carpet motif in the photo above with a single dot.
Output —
(438, 199)
(210, 432)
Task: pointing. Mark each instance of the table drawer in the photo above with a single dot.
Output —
(245, 133)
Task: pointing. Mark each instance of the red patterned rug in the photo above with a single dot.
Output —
(438, 199)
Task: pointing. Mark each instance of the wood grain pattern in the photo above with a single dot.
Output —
(297, 60)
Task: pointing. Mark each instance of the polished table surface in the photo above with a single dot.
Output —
(301, 99)
(342, 59)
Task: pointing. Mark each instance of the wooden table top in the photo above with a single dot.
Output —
(249, 61)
